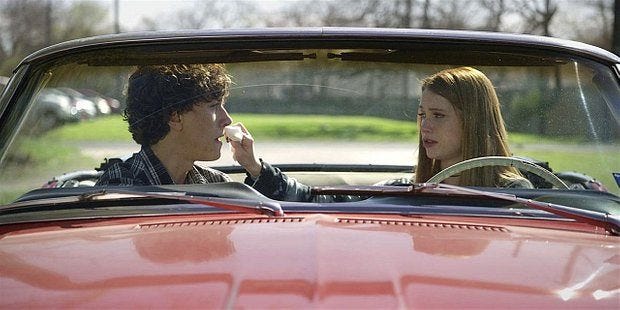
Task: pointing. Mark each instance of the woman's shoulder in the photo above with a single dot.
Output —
(515, 181)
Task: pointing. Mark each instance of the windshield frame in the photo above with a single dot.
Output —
(284, 43)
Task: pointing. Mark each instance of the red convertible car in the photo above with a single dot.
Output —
(344, 114)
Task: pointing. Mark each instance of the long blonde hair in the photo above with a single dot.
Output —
(473, 96)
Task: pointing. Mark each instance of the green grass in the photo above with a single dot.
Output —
(36, 162)
(105, 129)
(357, 128)
(517, 139)
(596, 165)
(278, 127)
(264, 127)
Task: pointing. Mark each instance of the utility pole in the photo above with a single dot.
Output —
(117, 26)
(615, 42)
(48, 23)
(406, 23)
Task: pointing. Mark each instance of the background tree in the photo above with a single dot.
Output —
(20, 35)
(28, 25)
(494, 12)
(220, 14)
(80, 19)
(615, 43)
(537, 15)
(596, 24)
(453, 14)
(537, 18)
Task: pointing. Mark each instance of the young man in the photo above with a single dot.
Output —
(177, 114)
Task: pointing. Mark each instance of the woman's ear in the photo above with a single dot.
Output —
(175, 122)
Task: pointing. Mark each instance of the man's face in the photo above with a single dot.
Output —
(203, 129)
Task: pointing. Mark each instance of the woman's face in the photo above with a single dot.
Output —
(441, 128)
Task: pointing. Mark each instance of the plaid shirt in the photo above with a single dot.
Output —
(144, 168)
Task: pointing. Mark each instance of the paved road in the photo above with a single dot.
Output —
(330, 152)
(397, 153)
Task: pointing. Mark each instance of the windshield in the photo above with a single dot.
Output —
(309, 109)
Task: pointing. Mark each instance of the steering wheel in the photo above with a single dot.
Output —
(498, 161)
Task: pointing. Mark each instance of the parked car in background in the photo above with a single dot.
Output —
(105, 104)
(335, 109)
(57, 106)
(88, 107)
(54, 108)
(101, 103)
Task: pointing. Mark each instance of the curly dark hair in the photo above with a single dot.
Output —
(155, 92)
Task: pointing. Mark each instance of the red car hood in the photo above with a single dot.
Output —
(316, 261)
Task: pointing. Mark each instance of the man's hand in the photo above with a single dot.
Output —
(243, 152)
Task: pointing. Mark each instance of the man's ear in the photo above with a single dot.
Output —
(175, 121)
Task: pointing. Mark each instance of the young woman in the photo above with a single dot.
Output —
(459, 118)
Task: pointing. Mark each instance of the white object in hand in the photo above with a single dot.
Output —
(233, 133)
